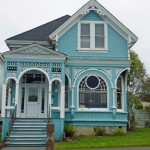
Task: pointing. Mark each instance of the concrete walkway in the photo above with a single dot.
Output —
(43, 148)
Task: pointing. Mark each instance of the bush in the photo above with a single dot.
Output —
(118, 132)
(147, 108)
(100, 131)
(69, 130)
(147, 124)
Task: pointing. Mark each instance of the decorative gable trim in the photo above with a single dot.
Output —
(100, 10)
(36, 51)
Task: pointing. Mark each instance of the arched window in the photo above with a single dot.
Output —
(92, 92)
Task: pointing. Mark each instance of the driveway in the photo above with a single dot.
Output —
(43, 148)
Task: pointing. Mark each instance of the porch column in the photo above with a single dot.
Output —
(16, 99)
(49, 102)
(114, 107)
(62, 102)
(3, 100)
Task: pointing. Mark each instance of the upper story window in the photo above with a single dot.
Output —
(92, 36)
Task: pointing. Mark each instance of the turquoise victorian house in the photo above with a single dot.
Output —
(72, 70)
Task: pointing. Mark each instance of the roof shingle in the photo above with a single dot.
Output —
(42, 32)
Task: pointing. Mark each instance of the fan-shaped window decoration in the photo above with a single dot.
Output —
(92, 92)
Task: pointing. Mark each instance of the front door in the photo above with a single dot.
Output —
(33, 101)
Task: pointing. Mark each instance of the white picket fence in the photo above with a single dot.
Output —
(140, 117)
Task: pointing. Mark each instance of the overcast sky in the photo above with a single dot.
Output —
(17, 16)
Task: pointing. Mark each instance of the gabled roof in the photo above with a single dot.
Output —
(104, 13)
(42, 32)
(36, 50)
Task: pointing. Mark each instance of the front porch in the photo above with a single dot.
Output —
(33, 90)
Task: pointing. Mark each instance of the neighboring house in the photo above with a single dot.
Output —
(73, 69)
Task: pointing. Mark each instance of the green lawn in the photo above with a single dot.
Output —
(139, 138)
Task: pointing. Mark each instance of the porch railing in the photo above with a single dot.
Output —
(12, 120)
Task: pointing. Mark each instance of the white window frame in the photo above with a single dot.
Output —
(92, 37)
(122, 94)
(93, 109)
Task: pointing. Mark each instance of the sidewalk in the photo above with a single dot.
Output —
(43, 148)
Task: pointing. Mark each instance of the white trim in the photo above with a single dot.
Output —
(55, 79)
(92, 70)
(9, 107)
(122, 95)
(69, 85)
(68, 79)
(24, 42)
(87, 61)
(9, 78)
(40, 87)
(17, 99)
(106, 13)
(55, 108)
(46, 98)
(30, 51)
(3, 100)
(92, 109)
(62, 102)
(120, 74)
(49, 99)
(92, 37)
(30, 69)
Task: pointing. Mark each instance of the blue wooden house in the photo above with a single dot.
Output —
(72, 70)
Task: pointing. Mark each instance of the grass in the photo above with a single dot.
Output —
(141, 137)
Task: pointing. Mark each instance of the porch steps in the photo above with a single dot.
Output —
(28, 132)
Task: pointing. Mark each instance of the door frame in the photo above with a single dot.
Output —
(40, 87)
(27, 100)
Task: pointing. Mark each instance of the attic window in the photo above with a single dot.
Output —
(92, 36)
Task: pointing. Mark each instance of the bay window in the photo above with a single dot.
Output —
(92, 93)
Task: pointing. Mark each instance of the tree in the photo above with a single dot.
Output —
(135, 79)
(145, 89)
(136, 75)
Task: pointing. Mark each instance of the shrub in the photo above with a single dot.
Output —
(100, 131)
(147, 124)
(147, 108)
(69, 130)
(118, 132)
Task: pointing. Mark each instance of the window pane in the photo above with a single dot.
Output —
(99, 29)
(33, 94)
(85, 42)
(99, 42)
(85, 29)
(43, 100)
(103, 100)
(119, 85)
(23, 99)
(119, 93)
(119, 101)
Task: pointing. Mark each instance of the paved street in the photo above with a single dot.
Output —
(43, 148)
